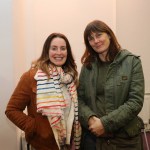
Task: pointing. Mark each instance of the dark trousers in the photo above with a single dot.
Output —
(91, 142)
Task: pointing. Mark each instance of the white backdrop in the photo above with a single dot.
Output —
(25, 24)
(133, 31)
(39, 19)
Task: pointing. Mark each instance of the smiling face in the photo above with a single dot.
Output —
(58, 51)
(100, 42)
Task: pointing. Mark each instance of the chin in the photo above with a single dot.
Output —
(59, 65)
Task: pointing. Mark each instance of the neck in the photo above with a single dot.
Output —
(103, 57)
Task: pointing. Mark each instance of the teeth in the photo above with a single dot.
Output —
(58, 58)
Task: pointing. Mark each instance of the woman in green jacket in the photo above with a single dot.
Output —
(110, 92)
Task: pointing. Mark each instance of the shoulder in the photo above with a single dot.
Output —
(129, 60)
(27, 78)
(125, 52)
(125, 55)
(133, 57)
(29, 74)
(32, 72)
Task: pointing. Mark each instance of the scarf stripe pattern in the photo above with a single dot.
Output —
(51, 102)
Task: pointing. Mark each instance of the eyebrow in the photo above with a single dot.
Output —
(56, 45)
(90, 37)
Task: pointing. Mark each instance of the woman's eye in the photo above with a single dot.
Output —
(90, 38)
(63, 48)
(53, 48)
(99, 34)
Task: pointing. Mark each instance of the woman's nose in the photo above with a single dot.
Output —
(96, 40)
(59, 51)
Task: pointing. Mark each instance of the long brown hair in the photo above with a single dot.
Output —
(44, 61)
(90, 55)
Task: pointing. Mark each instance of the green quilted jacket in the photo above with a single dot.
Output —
(124, 94)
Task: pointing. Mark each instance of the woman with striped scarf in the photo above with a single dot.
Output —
(48, 90)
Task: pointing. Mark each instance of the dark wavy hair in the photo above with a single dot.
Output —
(44, 61)
(90, 55)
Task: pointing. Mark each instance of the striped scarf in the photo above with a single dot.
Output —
(51, 102)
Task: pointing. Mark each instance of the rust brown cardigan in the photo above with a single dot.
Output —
(37, 129)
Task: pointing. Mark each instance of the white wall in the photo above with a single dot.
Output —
(8, 138)
(133, 30)
(25, 25)
(40, 18)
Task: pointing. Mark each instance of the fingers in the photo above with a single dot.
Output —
(96, 128)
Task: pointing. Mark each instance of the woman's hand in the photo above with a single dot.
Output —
(96, 126)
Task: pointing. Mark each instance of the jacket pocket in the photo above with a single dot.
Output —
(134, 127)
(121, 80)
(43, 128)
(42, 136)
(30, 129)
